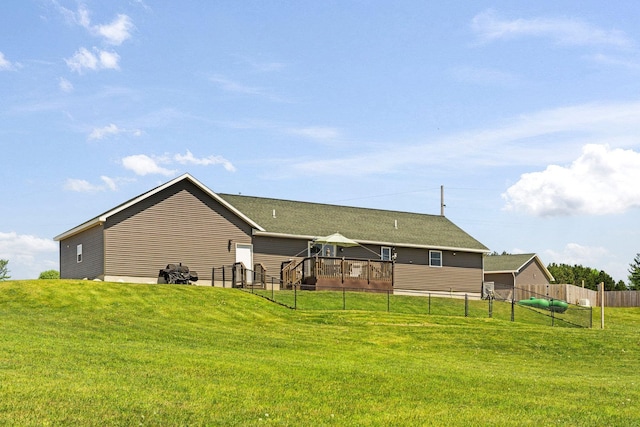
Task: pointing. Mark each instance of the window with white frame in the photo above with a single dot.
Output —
(385, 253)
(321, 249)
(79, 253)
(435, 258)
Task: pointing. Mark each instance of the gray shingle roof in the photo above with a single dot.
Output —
(361, 224)
(506, 263)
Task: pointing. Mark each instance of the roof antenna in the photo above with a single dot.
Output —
(442, 205)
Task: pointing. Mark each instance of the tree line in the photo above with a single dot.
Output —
(579, 275)
(588, 277)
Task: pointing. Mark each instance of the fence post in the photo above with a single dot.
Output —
(213, 276)
(490, 307)
(224, 280)
(466, 305)
(295, 297)
(513, 308)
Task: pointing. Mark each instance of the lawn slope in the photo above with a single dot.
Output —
(88, 353)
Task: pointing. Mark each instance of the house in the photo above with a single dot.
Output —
(184, 221)
(507, 271)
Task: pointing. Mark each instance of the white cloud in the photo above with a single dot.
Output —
(111, 130)
(5, 64)
(84, 59)
(142, 164)
(101, 133)
(484, 76)
(316, 132)
(489, 26)
(614, 61)
(189, 158)
(117, 31)
(601, 181)
(110, 183)
(232, 86)
(28, 255)
(109, 60)
(83, 186)
(576, 254)
(114, 33)
(80, 186)
(65, 85)
(536, 139)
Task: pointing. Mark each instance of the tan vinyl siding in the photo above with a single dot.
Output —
(178, 224)
(532, 274)
(272, 252)
(92, 265)
(425, 278)
(461, 272)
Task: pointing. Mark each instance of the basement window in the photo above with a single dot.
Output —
(79, 253)
(435, 258)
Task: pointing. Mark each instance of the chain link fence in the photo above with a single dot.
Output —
(511, 304)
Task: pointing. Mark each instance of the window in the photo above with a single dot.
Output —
(435, 258)
(79, 253)
(385, 253)
(321, 249)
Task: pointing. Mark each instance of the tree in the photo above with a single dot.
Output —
(578, 275)
(49, 274)
(634, 273)
(4, 271)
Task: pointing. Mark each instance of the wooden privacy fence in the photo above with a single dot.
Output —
(622, 299)
(575, 295)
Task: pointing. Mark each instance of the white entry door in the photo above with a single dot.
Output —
(244, 254)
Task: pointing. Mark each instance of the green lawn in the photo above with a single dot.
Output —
(88, 353)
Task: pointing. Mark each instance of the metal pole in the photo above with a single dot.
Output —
(490, 307)
(513, 308)
(466, 305)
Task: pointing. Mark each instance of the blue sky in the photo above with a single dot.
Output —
(528, 113)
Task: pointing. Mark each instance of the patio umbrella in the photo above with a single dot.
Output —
(338, 240)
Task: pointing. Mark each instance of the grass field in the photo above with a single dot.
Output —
(87, 353)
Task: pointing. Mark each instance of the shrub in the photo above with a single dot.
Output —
(49, 274)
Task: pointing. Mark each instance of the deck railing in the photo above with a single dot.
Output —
(312, 269)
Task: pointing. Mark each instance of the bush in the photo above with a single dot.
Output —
(49, 274)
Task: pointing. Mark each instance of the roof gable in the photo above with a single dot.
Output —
(513, 264)
(101, 219)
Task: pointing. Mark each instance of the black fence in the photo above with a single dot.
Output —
(499, 305)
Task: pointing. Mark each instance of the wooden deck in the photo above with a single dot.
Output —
(326, 273)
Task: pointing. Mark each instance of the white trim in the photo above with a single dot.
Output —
(101, 219)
